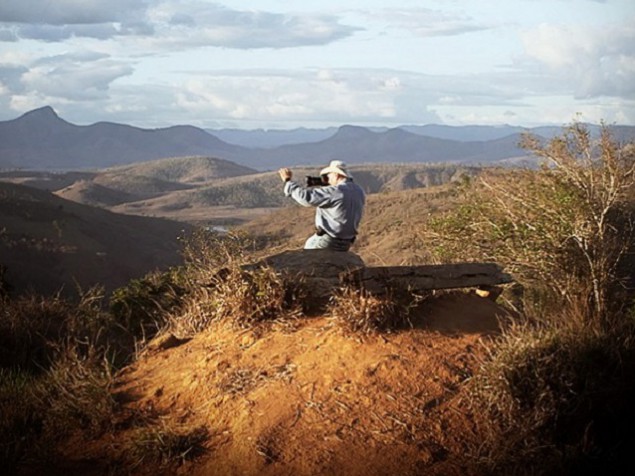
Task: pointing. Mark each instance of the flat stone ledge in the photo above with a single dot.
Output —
(378, 279)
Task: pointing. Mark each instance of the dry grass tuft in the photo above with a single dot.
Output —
(222, 287)
(58, 358)
(206, 252)
(167, 445)
(359, 311)
(245, 298)
(196, 313)
(77, 393)
(251, 297)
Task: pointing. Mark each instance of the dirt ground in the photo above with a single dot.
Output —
(306, 398)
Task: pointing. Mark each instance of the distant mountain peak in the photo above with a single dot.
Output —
(349, 128)
(352, 132)
(46, 112)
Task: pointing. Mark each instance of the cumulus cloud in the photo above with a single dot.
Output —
(74, 81)
(287, 98)
(72, 77)
(57, 33)
(271, 95)
(593, 62)
(371, 96)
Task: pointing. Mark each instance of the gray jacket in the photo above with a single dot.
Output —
(339, 207)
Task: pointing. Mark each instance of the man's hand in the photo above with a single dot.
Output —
(285, 174)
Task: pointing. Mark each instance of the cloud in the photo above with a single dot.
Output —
(102, 31)
(10, 78)
(70, 12)
(427, 23)
(167, 23)
(593, 62)
(60, 20)
(69, 77)
(341, 95)
(203, 24)
(273, 95)
(153, 70)
(263, 97)
(7, 34)
(258, 98)
(278, 98)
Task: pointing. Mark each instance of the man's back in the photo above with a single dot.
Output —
(341, 216)
(339, 206)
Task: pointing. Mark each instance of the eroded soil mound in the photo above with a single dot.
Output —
(305, 398)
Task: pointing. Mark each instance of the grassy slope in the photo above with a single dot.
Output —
(183, 169)
(192, 185)
(47, 242)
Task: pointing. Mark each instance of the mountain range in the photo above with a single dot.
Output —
(270, 138)
(41, 140)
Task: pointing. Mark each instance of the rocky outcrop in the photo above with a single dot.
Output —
(323, 271)
(426, 277)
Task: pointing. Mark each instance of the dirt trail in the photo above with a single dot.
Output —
(306, 399)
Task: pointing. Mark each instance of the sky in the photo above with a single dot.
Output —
(283, 64)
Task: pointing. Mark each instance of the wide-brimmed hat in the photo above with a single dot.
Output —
(336, 166)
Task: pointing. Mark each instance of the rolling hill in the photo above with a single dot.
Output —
(231, 194)
(148, 180)
(185, 170)
(48, 244)
(94, 246)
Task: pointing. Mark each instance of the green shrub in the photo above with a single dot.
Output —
(562, 230)
(142, 306)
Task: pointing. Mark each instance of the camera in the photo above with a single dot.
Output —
(316, 181)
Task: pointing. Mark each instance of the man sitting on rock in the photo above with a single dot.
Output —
(340, 205)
